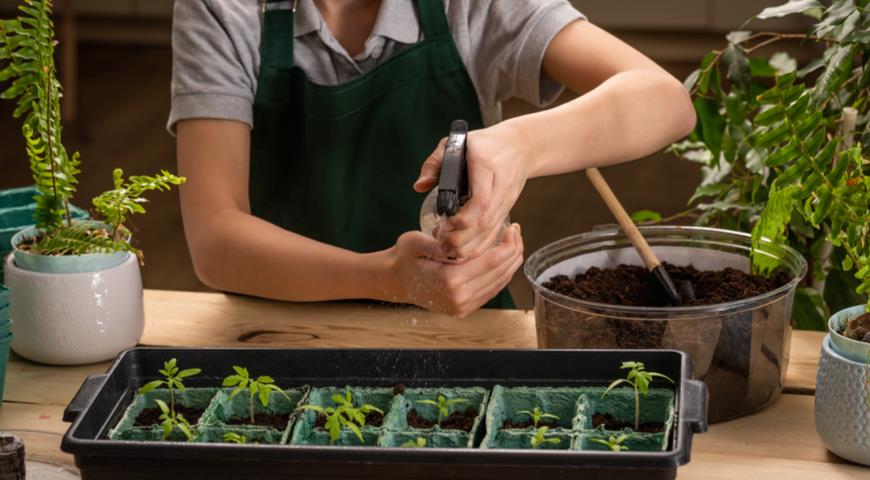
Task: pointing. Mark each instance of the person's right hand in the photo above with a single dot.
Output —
(420, 275)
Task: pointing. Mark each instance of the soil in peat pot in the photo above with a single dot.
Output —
(373, 419)
(858, 328)
(524, 425)
(615, 425)
(277, 421)
(632, 285)
(456, 421)
(151, 416)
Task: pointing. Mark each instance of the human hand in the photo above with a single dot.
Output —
(418, 277)
(497, 173)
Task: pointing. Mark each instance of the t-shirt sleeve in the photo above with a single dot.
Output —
(508, 40)
(213, 60)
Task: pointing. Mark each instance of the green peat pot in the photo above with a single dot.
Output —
(126, 428)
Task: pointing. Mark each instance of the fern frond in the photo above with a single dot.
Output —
(81, 239)
(27, 58)
(126, 198)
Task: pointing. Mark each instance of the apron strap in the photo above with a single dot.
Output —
(276, 44)
(433, 20)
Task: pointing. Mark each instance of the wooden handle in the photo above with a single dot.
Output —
(622, 217)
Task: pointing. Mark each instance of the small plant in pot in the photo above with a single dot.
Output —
(77, 289)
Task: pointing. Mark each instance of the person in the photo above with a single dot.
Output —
(309, 131)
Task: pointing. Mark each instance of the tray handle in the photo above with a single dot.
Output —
(695, 398)
(84, 396)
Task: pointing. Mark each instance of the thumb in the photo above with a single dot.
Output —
(429, 171)
(418, 245)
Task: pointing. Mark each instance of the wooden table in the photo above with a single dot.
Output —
(777, 443)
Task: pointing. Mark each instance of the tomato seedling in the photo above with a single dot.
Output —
(540, 438)
(233, 437)
(639, 379)
(443, 405)
(170, 420)
(614, 443)
(420, 442)
(260, 387)
(536, 414)
(343, 415)
(173, 379)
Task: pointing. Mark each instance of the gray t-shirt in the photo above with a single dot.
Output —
(216, 58)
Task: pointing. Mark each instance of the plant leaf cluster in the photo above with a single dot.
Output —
(614, 442)
(260, 387)
(536, 415)
(442, 404)
(173, 379)
(343, 415)
(540, 438)
(27, 46)
(776, 158)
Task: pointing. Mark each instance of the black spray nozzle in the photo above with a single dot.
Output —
(453, 180)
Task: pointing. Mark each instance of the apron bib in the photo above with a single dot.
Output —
(337, 163)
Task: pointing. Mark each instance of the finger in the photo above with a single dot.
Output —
(487, 286)
(456, 276)
(480, 180)
(430, 168)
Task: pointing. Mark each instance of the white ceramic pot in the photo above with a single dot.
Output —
(841, 409)
(76, 318)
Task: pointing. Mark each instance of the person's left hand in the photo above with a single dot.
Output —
(497, 173)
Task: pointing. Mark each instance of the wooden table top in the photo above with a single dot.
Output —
(779, 442)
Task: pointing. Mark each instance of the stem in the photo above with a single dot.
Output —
(172, 401)
(251, 408)
(636, 409)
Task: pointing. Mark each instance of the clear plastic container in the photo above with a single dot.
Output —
(740, 349)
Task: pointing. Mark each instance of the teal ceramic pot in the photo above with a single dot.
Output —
(842, 413)
(91, 262)
(852, 349)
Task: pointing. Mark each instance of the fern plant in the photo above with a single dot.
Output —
(784, 151)
(27, 57)
(27, 48)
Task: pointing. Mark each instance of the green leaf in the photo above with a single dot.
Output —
(264, 396)
(790, 8)
(188, 373)
(705, 73)
(150, 386)
(642, 216)
(759, 67)
(836, 72)
(232, 380)
(710, 124)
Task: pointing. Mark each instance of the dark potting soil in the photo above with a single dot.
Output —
(277, 421)
(633, 285)
(542, 423)
(858, 328)
(151, 416)
(615, 425)
(373, 419)
(456, 421)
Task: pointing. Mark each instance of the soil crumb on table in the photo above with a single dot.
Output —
(615, 425)
(632, 285)
(456, 421)
(151, 416)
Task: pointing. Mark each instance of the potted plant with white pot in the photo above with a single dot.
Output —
(76, 289)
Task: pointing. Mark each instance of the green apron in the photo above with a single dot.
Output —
(337, 163)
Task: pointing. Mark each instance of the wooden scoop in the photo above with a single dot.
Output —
(681, 292)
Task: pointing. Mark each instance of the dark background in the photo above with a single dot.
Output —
(120, 101)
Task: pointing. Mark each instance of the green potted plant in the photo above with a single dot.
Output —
(77, 289)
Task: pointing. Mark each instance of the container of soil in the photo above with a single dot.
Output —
(412, 411)
(232, 414)
(373, 376)
(850, 333)
(592, 292)
(309, 430)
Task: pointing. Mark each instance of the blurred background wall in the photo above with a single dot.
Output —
(115, 61)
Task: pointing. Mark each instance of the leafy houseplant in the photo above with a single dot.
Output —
(443, 405)
(260, 387)
(343, 415)
(784, 150)
(27, 47)
(639, 379)
(77, 288)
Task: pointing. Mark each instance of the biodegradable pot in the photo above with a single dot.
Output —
(126, 428)
(854, 350)
(76, 318)
(12, 465)
(739, 349)
(396, 419)
(842, 412)
(305, 431)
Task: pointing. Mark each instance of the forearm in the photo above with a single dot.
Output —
(628, 116)
(240, 253)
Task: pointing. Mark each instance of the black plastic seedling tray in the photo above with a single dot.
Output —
(102, 400)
